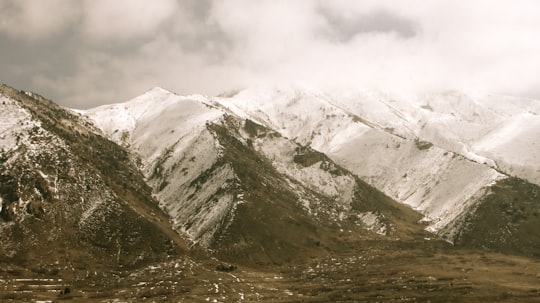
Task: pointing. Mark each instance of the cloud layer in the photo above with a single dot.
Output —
(86, 53)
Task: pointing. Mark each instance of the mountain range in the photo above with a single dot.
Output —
(444, 155)
(263, 177)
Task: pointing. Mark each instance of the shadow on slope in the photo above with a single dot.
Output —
(506, 220)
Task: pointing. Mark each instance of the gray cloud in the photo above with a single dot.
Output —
(90, 52)
(345, 27)
(22, 60)
(30, 20)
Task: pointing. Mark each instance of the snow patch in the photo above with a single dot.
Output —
(373, 222)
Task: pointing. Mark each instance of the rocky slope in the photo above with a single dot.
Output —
(70, 198)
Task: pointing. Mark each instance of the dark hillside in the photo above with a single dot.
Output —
(507, 220)
(70, 196)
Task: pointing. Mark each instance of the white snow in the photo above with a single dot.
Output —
(296, 114)
(373, 135)
(168, 132)
(373, 222)
(15, 124)
(377, 136)
(281, 152)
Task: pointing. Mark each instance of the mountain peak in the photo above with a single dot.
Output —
(155, 92)
(158, 90)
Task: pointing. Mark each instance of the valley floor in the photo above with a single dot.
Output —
(377, 271)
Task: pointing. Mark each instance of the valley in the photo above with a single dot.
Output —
(372, 271)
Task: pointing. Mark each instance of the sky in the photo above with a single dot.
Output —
(86, 53)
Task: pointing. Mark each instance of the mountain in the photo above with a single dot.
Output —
(240, 188)
(269, 194)
(70, 198)
(417, 151)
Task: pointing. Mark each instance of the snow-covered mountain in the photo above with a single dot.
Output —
(385, 140)
(223, 177)
(267, 174)
(442, 154)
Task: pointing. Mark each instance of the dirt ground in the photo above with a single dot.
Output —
(374, 271)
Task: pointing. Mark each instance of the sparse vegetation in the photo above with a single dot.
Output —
(422, 145)
(427, 107)
(306, 156)
(58, 183)
(504, 220)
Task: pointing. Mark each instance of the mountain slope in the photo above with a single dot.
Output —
(419, 152)
(380, 146)
(71, 194)
(505, 220)
(241, 189)
(298, 196)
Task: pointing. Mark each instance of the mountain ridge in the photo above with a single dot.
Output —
(395, 155)
(186, 160)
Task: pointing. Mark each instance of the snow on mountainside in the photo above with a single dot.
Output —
(163, 129)
(410, 149)
(381, 146)
(458, 123)
(514, 142)
(206, 164)
(418, 151)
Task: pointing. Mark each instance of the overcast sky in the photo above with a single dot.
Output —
(86, 53)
